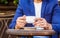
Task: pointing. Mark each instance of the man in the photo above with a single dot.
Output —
(49, 13)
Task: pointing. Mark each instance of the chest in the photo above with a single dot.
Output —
(46, 9)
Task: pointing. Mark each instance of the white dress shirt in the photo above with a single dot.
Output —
(38, 7)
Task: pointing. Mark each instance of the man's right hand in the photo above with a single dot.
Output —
(20, 22)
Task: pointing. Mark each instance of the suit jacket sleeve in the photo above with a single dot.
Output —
(56, 18)
(19, 12)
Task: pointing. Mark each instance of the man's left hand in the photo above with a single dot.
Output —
(41, 22)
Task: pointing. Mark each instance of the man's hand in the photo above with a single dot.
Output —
(41, 22)
(20, 22)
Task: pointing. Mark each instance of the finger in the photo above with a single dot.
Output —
(44, 25)
(39, 25)
(21, 21)
(20, 24)
(24, 16)
(36, 24)
(44, 20)
(37, 19)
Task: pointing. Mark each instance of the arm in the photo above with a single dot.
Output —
(56, 19)
(19, 12)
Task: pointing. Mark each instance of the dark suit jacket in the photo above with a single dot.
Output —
(50, 11)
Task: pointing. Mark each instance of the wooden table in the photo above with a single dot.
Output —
(30, 33)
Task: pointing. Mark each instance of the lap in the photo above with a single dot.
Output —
(40, 36)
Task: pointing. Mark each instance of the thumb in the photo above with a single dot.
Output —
(24, 16)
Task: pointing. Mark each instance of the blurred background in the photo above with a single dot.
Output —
(7, 11)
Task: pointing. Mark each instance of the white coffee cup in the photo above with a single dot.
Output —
(30, 19)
